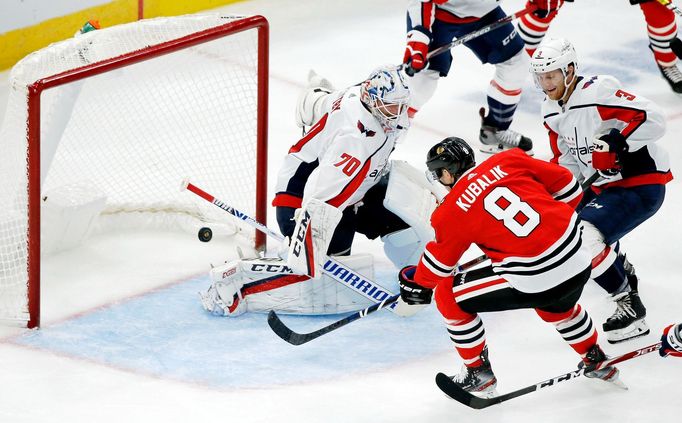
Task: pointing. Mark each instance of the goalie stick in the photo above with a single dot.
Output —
(295, 338)
(455, 392)
(335, 269)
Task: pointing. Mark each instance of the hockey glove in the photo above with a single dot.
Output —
(410, 291)
(671, 341)
(418, 41)
(605, 153)
(544, 8)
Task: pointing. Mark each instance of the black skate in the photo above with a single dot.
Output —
(494, 140)
(673, 76)
(609, 374)
(627, 322)
(478, 380)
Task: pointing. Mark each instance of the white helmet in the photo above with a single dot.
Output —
(387, 96)
(553, 54)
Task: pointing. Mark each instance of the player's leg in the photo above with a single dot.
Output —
(532, 29)
(575, 326)
(607, 218)
(504, 49)
(465, 327)
(232, 282)
(263, 284)
(661, 29)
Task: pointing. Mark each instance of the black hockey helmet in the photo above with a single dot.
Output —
(453, 154)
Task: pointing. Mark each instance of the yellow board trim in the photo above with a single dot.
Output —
(18, 43)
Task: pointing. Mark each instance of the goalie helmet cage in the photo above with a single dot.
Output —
(132, 110)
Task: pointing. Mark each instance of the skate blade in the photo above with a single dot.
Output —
(494, 148)
(618, 384)
(490, 148)
(635, 330)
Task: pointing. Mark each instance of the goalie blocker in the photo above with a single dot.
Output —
(300, 285)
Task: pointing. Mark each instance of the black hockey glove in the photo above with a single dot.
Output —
(410, 291)
(636, 2)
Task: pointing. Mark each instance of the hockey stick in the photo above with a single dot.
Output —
(296, 338)
(470, 36)
(455, 392)
(335, 269)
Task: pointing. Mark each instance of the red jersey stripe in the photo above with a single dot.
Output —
(632, 117)
(351, 187)
(287, 200)
(319, 126)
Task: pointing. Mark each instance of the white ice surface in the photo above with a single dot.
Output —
(65, 373)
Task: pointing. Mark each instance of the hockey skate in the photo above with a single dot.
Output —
(494, 140)
(609, 374)
(480, 380)
(627, 322)
(308, 106)
(673, 77)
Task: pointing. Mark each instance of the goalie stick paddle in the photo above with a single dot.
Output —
(455, 392)
(295, 338)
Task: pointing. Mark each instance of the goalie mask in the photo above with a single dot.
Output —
(551, 55)
(452, 154)
(387, 96)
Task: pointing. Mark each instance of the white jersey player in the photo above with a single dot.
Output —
(333, 183)
(597, 126)
(435, 23)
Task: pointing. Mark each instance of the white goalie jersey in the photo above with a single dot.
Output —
(597, 105)
(342, 156)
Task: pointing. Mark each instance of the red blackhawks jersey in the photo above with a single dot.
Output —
(597, 105)
(342, 156)
(520, 212)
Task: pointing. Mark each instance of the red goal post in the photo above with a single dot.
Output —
(132, 110)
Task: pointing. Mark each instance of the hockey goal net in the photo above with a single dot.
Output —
(129, 112)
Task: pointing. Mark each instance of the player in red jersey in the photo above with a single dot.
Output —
(520, 212)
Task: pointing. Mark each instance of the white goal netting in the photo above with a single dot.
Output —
(131, 133)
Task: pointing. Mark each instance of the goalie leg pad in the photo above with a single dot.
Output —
(413, 198)
(404, 247)
(234, 281)
(315, 296)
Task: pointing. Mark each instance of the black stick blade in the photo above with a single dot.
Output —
(458, 394)
(284, 332)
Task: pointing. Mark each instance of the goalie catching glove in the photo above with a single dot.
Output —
(671, 341)
(410, 291)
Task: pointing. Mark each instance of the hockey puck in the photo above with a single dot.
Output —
(205, 234)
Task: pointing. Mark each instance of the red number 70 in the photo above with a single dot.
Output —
(349, 163)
